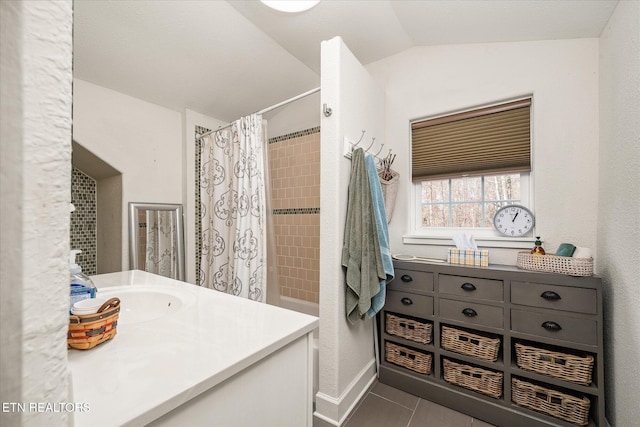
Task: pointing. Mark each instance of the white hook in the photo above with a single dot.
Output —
(370, 145)
(361, 136)
(380, 150)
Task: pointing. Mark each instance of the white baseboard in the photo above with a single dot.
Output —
(335, 410)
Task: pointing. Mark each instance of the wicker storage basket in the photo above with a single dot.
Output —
(555, 364)
(410, 329)
(476, 379)
(555, 403)
(88, 330)
(556, 264)
(463, 342)
(416, 360)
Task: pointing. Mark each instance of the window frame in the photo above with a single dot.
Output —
(485, 236)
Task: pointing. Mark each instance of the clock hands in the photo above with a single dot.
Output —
(515, 216)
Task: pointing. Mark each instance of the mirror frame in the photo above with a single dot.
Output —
(134, 237)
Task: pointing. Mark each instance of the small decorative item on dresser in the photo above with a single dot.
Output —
(552, 402)
(474, 378)
(538, 249)
(404, 327)
(473, 257)
(556, 264)
(568, 367)
(88, 330)
(416, 360)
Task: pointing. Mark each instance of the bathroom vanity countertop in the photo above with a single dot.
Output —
(151, 367)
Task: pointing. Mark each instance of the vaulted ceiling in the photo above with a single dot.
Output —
(226, 59)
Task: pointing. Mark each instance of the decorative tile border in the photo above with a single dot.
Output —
(199, 131)
(297, 134)
(296, 211)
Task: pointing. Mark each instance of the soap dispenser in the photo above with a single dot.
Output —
(538, 249)
(82, 286)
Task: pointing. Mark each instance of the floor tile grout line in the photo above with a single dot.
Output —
(393, 401)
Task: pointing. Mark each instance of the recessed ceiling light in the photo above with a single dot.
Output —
(291, 6)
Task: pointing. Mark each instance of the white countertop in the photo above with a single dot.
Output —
(154, 366)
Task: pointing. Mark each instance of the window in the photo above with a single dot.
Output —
(468, 201)
(467, 165)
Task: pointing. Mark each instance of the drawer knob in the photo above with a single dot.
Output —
(550, 296)
(406, 278)
(469, 312)
(551, 326)
(468, 287)
(406, 301)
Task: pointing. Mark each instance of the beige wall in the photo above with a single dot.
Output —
(619, 209)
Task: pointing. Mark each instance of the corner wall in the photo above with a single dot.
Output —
(347, 361)
(35, 158)
(619, 209)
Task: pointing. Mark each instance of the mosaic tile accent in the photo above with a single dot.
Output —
(292, 135)
(294, 168)
(299, 211)
(199, 131)
(83, 233)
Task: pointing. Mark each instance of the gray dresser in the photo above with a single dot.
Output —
(507, 346)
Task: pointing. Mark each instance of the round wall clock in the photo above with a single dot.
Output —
(513, 220)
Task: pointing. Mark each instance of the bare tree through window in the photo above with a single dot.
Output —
(467, 201)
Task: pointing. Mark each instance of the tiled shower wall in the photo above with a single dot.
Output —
(84, 220)
(294, 169)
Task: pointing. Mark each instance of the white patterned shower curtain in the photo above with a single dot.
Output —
(161, 255)
(232, 192)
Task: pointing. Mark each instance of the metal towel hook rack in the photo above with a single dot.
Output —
(349, 146)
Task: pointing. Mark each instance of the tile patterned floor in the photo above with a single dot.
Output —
(385, 406)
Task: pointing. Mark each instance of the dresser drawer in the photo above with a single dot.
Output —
(487, 289)
(472, 313)
(580, 300)
(555, 326)
(411, 280)
(411, 304)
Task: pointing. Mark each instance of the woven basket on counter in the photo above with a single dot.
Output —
(416, 360)
(88, 330)
(459, 341)
(556, 264)
(555, 364)
(410, 329)
(473, 378)
(552, 402)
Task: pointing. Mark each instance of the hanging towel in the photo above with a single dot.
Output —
(380, 216)
(361, 249)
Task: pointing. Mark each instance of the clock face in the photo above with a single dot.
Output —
(513, 220)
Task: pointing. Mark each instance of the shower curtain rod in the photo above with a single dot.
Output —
(266, 110)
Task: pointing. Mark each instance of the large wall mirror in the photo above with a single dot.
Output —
(156, 239)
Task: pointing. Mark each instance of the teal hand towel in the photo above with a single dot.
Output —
(380, 216)
(361, 249)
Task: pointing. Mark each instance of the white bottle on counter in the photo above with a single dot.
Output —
(82, 286)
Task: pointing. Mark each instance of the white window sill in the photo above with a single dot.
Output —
(482, 242)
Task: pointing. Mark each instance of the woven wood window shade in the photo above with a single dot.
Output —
(489, 140)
